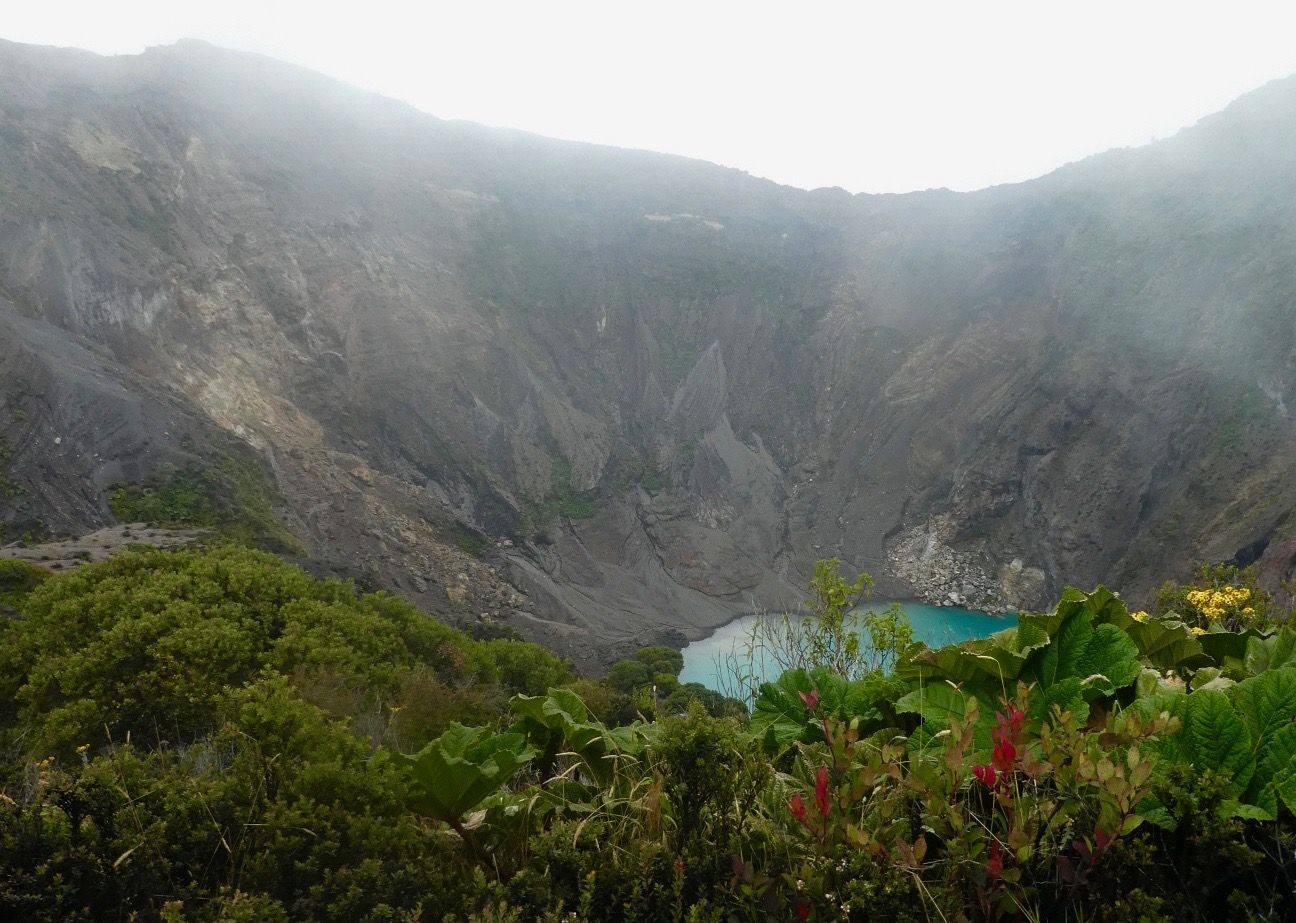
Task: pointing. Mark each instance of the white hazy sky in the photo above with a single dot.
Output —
(874, 97)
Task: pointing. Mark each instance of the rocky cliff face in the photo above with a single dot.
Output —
(614, 397)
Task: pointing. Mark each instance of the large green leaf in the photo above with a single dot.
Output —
(1162, 698)
(560, 723)
(780, 716)
(556, 708)
(1267, 703)
(1024, 639)
(1073, 600)
(941, 703)
(1284, 786)
(779, 705)
(1278, 753)
(1167, 644)
(1228, 649)
(1101, 655)
(1216, 737)
(1083, 643)
(1271, 653)
(458, 770)
(936, 703)
(1275, 775)
(995, 661)
(629, 739)
(1067, 694)
(1061, 658)
(1246, 811)
(1112, 654)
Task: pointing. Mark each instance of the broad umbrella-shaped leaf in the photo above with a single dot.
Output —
(1217, 738)
(1072, 601)
(1271, 653)
(1101, 655)
(628, 739)
(559, 722)
(1277, 768)
(1167, 644)
(939, 704)
(779, 712)
(1245, 811)
(1068, 694)
(1228, 649)
(1110, 653)
(780, 715)
(1275, 775)
(993, 660)
(458, 770)
(1267, 703)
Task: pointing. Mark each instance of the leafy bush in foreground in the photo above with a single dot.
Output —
(215, 736)
(145, 647)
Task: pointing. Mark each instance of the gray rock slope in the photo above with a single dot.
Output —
(657, 388)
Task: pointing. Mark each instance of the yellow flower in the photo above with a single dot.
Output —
(1197, 631)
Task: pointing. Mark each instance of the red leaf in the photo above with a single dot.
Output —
(1102, 839)
(797, 806)
(1004, 756)
(994, 865)
(821, 791)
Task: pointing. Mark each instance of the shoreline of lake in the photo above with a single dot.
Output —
(935, 626)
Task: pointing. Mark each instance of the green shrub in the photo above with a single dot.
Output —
(526, 668)
(280, 813)
(147, 643)
(629, 675)
(706, 765)
(17, 580)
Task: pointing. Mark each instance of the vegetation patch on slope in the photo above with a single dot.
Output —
(563, 501)
(9, 488)
(233, 497)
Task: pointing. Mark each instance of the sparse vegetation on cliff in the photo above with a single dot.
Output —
(232, 496)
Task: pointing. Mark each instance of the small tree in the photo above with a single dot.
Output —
(836, 632)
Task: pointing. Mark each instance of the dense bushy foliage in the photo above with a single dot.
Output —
(215, 736)
(17, 581)
(148, 645)
(647, 684)
(193, 734)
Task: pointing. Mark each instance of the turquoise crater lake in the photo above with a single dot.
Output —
(935, 626)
